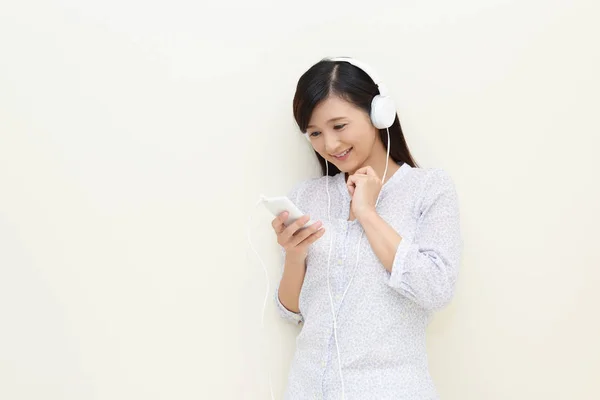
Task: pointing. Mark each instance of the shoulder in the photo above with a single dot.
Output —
(431, 184)
(431, 179)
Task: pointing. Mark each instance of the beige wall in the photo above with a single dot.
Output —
(135, 139)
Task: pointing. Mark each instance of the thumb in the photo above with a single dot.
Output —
(368, 170)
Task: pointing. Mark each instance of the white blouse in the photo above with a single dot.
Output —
(382, 318)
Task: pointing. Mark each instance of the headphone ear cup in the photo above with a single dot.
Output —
(383, 111)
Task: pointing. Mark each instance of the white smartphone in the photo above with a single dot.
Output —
(277, 205)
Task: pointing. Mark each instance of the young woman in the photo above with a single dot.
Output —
(364, 304)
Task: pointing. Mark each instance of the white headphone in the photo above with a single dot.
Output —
(383, 109)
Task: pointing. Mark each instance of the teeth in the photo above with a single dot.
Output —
(342, 154)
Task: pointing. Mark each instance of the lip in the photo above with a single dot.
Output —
(349, 151)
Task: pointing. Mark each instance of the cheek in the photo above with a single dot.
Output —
(319, 148)
(360, 136)
(367, 142)
(321, 151)
(360, 144)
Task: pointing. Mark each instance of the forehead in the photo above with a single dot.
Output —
(333, 107)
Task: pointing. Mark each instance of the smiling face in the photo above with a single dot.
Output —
(343, 134)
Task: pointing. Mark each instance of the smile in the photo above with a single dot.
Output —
(343, 155)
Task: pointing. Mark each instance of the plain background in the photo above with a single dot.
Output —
(136, 138)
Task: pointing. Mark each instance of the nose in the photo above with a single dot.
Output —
(332, 143)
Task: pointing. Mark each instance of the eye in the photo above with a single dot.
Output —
(314, 134)
(339, 126)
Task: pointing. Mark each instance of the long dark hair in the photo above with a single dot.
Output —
(351, 83)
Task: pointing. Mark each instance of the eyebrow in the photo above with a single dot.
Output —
(331, 120)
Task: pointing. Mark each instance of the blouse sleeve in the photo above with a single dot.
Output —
(425, 267)
(288, 315)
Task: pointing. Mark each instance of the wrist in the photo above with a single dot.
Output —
(296, 257)
(366, 214)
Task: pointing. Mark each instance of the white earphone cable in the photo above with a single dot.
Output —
(262, 319)
(333, 313)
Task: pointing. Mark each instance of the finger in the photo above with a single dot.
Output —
(304, 233)
(292, 228)
(350, 183)
(313, 237)
(283, 216)
(368, 170)
(357, 178)
(353, 181)
(369, 173)
(278, 222)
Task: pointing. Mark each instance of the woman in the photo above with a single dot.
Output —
(364, 304)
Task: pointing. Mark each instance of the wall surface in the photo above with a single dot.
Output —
(136, 138)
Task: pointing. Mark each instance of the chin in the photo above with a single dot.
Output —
(346, 168)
